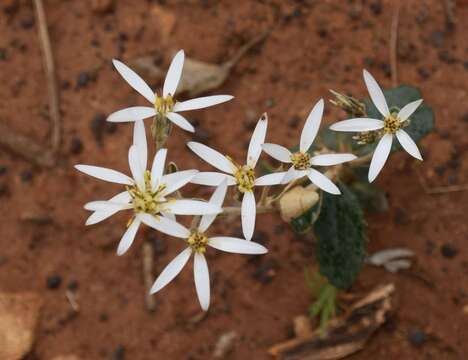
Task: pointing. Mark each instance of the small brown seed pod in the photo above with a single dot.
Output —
(297, 201)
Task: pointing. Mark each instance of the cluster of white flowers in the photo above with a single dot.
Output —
(153, 196)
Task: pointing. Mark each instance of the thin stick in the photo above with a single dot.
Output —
(148, 261)
(54, 104)
(394, 44)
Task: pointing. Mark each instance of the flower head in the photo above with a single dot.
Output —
(302, 163)
(391, 124)
(147, 193)
(241, 176)
(197, 242)
(165, 104)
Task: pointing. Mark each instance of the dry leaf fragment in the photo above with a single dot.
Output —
(198, 77)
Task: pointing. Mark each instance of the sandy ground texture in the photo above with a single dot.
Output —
(313, 46)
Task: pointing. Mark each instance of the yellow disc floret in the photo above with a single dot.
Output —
(300, 160)
(147, 200)
(197, 242)
(391, 124)
(163, 105)
(245, 178)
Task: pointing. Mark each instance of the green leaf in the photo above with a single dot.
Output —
(341, 235)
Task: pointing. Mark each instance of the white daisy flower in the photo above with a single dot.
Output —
(146, 193)
(392, 124)
(164, 105)
(301, 161)
(197, 242)
(243, 176)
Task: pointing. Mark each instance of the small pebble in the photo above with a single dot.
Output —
(3, 54)
(3, 170)
(83, 79)
(4, 190)
(76, 146)
(102, 6)
(266, 271)
(26, 176)
(72, 285)
(118, 353)
(376, 7)
(437, 39)
(417, 338)
(448, 251)
(54, 282)
(27, 22)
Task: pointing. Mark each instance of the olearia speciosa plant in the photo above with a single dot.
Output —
(316, 185)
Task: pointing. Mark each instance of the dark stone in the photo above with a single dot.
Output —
(424, 73)
(376, 7)
(465, 118)
(465, 65)
(386, 68)
(417, 337)
(54, 282)
(27, 22)
(437, 39)
(65, 85)
(73, 285)
(4, 190)
(83, 79)
(266, 271)
(3, 54)
(3, 170)
(99, 126)
(260, 237)
(76, 146)
(26, 176)
(118, 353)
(446, 57)
(294, 122)
(103, 317)
(448, 251)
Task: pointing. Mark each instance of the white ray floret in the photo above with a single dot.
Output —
(197, 243)
(301, 161)
(164, 105)
(243, 176)
(391, 124)
(147, 193)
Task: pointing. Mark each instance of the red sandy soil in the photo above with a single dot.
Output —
(313, 46)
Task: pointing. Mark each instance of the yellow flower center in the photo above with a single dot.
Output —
(163, 105)
(197, 242)
(300, 160)
(245, 178)
(391, 124)
(147, 201)
(366, 137)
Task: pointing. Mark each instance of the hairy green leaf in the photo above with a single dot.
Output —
(341, 238)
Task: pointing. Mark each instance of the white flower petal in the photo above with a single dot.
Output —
(323, 182)
(169, 215)
(216, 199)
(157, 168)
(408, 110)
(104, 205)
(132, 114)
(358, 125)
(128, 237)
(135, 167)
(277, 152)
(180, 121)
(171, 270)
(134, 80)
(237, 246)
(312, 126)
(212, 157)
(331, 159)
(256, 141)
(176, 180)
(380, 156)
(139, 140)
(191, 207)
(248, 213)
(293, 174)
(165, 225)
(105, 174)
(174, 73)
(270, 179)
(201, 102)
(376, 94)
(98, 216)
(202, 280)
(408, 144)
(212, 178)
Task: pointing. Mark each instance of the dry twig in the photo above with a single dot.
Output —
(148, 263)
(394, 44)
(54, 106)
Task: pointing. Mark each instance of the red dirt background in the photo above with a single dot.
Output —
(313, 46)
